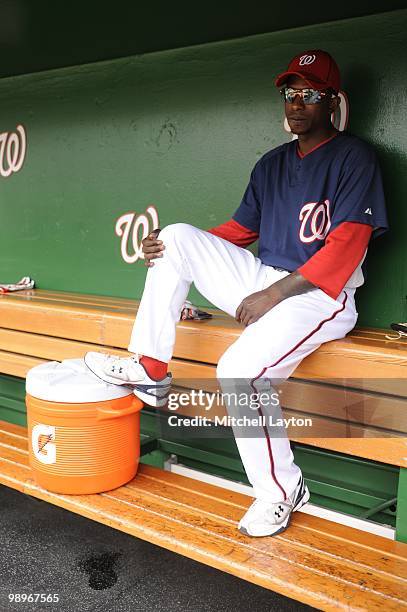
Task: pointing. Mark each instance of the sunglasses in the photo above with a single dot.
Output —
(308, 96)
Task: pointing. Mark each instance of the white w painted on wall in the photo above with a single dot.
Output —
(13, 147)
(132, 229)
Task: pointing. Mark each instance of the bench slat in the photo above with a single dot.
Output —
(282, 550)
(319, 403)
(45, 347)
(318, 562)
(366, 442)
(304, 537)
(56, 348)
(109, 302)
(392, 451)
(358, 355)
(98, 301)
(17, 365)
(64, 325)
(351, 406)
(360, 407)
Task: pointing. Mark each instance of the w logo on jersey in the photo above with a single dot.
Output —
(315, 221)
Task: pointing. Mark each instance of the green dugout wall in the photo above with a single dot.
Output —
(181, 130)
(175, 133)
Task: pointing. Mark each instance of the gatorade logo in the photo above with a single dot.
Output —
(42, 441)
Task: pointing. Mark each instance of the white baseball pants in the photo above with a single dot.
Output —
(272, 347)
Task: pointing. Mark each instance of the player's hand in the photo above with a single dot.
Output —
(255, 306)
(152, 248)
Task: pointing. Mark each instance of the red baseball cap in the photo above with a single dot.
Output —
(316, 67)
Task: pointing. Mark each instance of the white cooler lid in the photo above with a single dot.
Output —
(70, 381)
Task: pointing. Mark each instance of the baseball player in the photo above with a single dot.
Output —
(313, 204)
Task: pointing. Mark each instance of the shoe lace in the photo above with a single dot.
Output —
(120, 362)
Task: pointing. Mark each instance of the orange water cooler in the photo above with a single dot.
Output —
(84, 434)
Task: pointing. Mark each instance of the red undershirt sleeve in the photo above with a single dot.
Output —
(332, 266)
(234, 232)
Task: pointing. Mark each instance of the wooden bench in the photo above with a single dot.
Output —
(330, 566)
(36, 326)
(317, 562)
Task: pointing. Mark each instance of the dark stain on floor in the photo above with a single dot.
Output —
(101, 569)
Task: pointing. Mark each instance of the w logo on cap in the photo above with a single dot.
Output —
(305, 60)
(316, 67)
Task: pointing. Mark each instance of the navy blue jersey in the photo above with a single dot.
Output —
(294, 203)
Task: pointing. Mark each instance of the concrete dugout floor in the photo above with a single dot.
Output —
(44, 549)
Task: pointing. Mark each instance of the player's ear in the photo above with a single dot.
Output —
(334, 103)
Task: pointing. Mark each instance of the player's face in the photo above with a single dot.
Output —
(307, 118)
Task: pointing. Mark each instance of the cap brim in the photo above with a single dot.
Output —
(312, 82)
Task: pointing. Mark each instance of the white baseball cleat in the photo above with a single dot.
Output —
(130, 372)
(265, 518)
